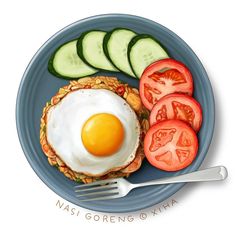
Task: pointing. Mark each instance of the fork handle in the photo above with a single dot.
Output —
(210, 174)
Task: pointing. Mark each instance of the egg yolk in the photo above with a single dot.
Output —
(102, 134)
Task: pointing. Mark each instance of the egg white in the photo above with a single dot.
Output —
(66, 119)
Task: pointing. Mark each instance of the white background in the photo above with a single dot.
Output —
(29, 207)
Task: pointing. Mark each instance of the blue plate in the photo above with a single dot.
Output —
(38, 86)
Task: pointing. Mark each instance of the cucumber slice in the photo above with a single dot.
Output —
(65, 63)
(143, 50)
(115, 45)
(90, 49)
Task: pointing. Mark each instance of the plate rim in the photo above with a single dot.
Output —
(175, 187)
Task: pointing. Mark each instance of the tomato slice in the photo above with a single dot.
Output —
(177, 106)
(164, 77)
(170, 145)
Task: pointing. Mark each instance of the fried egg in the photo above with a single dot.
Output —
(94, 131)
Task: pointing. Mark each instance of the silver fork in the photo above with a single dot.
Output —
(119, 187)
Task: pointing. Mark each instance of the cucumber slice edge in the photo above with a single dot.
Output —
(52, 70)
(105, 48)
(79, 47)
(135, 40)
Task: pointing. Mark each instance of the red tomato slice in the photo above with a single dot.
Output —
(177, 106)
(170, 145)
(164, 77)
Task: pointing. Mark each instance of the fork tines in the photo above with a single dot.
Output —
(99, 190)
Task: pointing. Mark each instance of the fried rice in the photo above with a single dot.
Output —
(131, 95)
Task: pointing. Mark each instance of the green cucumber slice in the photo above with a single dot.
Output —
(115, 45)
(143, 50)
(65, 63)
(90, 49)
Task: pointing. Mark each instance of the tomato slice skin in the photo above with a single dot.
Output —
(177, 106)
(170, 145)
(156, 83)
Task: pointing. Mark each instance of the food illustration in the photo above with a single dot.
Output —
(142, 51)
(94, 128)
(98, 127)
(177, 106)
(171, 145)
(134, 60)
(162, 78)
(90, 49)
(115, 47)
(65, 63)
(96, 50)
